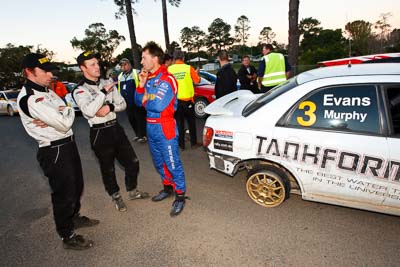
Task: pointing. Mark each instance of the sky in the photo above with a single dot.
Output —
(52, 24)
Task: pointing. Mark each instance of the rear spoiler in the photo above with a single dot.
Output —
(386, 57)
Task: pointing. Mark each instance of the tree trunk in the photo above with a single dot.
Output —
(165, 22)
(131, 26)
(294, 35)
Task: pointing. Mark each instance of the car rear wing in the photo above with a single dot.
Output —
(387, 57)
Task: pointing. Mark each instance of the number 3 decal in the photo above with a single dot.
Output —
(310, 113)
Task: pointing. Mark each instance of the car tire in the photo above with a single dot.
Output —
(10, 111)
(200, 104)
(267, 186)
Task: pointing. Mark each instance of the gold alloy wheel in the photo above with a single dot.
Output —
(266, 189)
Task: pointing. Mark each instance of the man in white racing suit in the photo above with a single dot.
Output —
(99, 100)
(47, 119)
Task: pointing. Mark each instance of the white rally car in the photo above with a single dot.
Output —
(8, 102)
(329, 134)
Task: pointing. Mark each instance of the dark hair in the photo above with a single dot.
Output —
(245, 56)
(178, 54)
(25, 72)
(167, 57)
(223, 55)
(155, 50)
(268, 46)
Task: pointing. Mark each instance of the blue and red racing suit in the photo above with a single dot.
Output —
(161, 89)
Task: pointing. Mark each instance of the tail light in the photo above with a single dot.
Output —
(208, 134)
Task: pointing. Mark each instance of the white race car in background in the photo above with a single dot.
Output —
(329, 134)
(68, 97)
(8, 102)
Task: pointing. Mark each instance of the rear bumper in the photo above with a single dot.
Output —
(223, 163)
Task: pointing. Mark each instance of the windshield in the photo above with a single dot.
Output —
(203, 82)
(12, 95)
(208, 76)
(269, 96)
(70, 86)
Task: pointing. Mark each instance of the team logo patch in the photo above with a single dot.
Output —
(224, 134)
(43, 60)
(164, 86)
(39, 99)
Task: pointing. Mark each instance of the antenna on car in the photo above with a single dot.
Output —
(349, 64)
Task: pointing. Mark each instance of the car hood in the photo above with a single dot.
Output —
(231, 104)
(205, 86)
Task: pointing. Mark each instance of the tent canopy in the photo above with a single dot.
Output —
(196, 59)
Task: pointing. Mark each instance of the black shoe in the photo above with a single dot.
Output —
(178, 205)
(77, 242)
(163, 194)
(118, 202)
(83, 221)
(137, 194)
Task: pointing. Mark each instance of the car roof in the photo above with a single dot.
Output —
(349, 70)
(11, 91)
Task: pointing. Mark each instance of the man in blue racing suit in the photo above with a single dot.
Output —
(157, 94)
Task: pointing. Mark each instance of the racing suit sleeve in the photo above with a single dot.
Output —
(118, 101)
(40, 109)
(139, 93)
(159, 101)
(88, 104)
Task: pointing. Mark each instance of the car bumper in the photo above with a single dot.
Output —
(223, 163)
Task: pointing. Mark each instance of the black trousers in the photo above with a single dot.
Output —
(62, 166)
(185, 110)
(108, 144)
(137, 119)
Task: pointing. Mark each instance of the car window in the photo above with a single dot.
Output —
(12, 95)
(393, 95)
(2, 96)
(70, 87)
(349, 108)
(269, 96)
(208, 76)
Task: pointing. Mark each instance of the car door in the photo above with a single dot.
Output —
(392, 175)
(332, 140)
(3, 103)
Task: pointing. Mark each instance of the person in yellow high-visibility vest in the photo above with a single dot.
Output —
(186, 75)
(273, 69)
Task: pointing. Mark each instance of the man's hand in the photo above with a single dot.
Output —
(103, 111)
(61, 108)
(39, 123)
(143, 78)
(109, 87)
